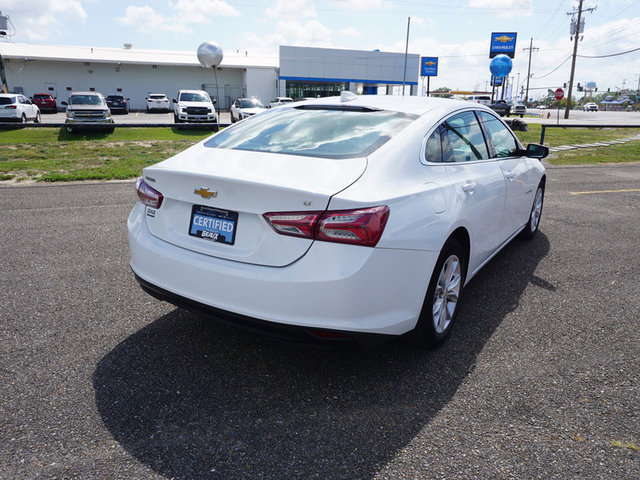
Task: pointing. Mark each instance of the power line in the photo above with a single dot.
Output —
(610, 55)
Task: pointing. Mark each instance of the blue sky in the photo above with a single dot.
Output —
(456, 31)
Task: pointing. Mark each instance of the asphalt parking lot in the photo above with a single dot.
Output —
(541, 378)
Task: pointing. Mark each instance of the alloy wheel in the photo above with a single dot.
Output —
(445, 298)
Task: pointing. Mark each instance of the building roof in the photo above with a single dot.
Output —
(127, 55)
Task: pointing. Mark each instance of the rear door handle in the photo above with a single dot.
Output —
(469, 187)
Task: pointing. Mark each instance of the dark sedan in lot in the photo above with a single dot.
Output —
(118, 104)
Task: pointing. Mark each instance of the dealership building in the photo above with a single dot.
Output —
(134, 73)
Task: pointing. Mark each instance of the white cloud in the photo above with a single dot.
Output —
(361, 5)
(291, 9)
(202, 11)
(288, 32)
(38, 20)
(505, 8)
(350, 32)
(144, 19)
(185, 13)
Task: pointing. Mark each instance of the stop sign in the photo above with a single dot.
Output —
(559, 94)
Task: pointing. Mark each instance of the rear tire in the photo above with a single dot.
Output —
(533, 224)
(441, 302)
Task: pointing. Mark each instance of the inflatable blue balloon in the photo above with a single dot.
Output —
(500, 66)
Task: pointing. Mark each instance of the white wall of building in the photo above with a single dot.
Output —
(137, 81)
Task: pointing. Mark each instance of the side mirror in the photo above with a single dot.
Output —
(64, 103)
(535, 150)
(175, 101)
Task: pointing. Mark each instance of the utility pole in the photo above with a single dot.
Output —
(637, 91)
(406, 52)
(531, 50)
(579, 26)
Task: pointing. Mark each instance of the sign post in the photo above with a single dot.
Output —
(429, 68)
(559, 94)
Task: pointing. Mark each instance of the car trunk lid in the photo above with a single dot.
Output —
(214, 189)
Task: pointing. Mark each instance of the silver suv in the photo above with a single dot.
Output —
(88, 110)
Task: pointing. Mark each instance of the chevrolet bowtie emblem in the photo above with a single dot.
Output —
(205, 193)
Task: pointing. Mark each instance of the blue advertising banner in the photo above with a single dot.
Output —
(429, 66)
(503, 43)
(496, 81)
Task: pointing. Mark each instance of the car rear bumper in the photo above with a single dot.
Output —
(332, 287)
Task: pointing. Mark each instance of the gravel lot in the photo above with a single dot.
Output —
(540, 379)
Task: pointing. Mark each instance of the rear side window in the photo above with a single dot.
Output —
(7, 100)
(318, 132)
(464, 138)
(503, 140)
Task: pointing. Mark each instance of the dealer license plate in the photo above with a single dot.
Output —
(213, 224)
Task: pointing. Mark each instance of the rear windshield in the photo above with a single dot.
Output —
(157, 97)
(7, 100)
(85, 100)
(318, 132)
(43, 97)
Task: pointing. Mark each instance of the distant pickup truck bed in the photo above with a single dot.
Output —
(501, 107)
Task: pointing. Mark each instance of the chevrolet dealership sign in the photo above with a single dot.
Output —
(503, 43)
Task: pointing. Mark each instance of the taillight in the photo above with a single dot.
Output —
(295, 224)
(12, 107)
(148, 195)
(362, 226)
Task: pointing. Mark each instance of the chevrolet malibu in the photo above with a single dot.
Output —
(351, 219)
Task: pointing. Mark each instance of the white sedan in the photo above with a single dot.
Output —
(344, 219)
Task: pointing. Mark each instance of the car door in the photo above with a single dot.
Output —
(476, 179)
(520, 178)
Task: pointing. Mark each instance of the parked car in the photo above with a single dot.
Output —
(590, 107)
(483, 99)
(353, 218)
(45, 102)
(501, 107)
(118, 103)
(87, 110)
(519, 110)
(158, 101)
(245, 107)
(194, 106)
(279, 101)
(15, 107)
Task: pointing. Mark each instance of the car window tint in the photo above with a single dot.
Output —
(330, 133)
(503, 140)
(433, 149)
(464, 135)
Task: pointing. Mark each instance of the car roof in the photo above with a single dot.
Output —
(9, 94)
(407, 104)
(50, 94)
(86, 93)
(191, 91)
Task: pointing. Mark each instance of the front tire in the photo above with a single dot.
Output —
(37, 119)
(533, 224)
(440, 306)
(23, 119)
